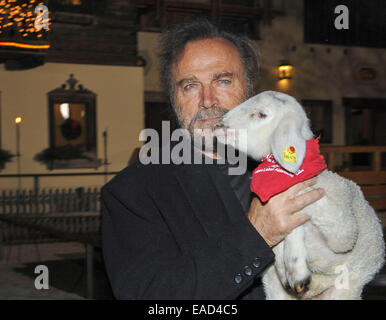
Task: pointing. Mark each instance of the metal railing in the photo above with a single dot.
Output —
(27, 213)
(49, 201)
(369, 174)
(37, 176)
(374, 153)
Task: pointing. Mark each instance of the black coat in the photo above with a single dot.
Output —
(179, 232)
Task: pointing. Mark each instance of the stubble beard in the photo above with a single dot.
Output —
(201, 132)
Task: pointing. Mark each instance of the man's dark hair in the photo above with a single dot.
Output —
(176, 36)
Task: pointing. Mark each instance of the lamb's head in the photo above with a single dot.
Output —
(273, 122)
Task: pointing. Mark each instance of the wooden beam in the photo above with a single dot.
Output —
(352, 149)
(374, 190)
(378, 204)
(365, 177)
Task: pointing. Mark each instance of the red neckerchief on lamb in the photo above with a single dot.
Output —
(269, 178)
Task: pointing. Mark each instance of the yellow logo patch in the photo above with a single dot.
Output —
(289, 155)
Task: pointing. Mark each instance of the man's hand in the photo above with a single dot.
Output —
(277, 218)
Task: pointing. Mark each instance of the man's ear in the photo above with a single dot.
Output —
(288, 145)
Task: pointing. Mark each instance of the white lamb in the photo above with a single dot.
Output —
(341, 248)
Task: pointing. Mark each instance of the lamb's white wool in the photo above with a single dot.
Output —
(341, 248)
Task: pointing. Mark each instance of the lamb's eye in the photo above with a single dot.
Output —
(261, 115)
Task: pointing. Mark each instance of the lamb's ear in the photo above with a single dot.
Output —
(287, 143)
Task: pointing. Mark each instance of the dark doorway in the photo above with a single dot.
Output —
(158, 109)
(365, 125)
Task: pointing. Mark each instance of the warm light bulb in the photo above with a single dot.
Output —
(285, 71)
(18, 120)
(65, 110)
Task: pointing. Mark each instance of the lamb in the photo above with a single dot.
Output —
(341, 247)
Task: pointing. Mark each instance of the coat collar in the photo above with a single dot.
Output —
(204, 185)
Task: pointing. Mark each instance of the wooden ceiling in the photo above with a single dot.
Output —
(105, 31)
(243, 15)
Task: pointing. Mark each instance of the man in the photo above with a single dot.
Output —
(190, 231)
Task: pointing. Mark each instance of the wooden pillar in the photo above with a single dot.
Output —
(90, 270)
(331, 160)
(36, 184)
(377, 160)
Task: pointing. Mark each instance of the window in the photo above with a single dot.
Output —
(367, 23)
(69, 124)
(320, 114)
(365, 121)
(365, 125)
(72, 116)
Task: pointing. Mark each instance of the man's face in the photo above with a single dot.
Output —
(208, 81)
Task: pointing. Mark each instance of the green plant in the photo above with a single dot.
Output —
(5, 156)
(62, 153)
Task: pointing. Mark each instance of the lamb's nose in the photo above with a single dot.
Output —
(219, 124)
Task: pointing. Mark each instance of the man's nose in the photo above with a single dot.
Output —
(208, 97)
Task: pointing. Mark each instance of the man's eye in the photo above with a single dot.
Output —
(225, 81)
(189, 86)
